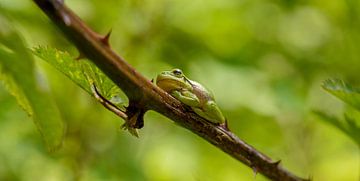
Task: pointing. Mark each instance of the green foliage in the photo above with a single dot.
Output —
(350, 96)
(18, 74)
(15, 90)
(343, 91)
(261, 59)
(82, 72)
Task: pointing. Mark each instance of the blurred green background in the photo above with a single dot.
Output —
(263, 60)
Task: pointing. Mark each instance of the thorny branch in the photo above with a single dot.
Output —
(144, 95)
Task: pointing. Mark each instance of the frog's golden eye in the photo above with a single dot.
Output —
(177, 72)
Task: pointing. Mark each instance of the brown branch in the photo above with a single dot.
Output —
(147, 96)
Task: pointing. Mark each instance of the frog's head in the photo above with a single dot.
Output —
(172, 80)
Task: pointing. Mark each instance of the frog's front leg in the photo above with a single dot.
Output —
(211, 112)
(186, 97)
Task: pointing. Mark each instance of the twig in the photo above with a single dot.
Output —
(107, 104)
(145, 95)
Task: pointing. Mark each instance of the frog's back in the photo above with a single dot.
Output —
(208, 108)
(201, 92)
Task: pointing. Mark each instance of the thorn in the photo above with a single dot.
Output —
(152, 80)
(105, 39)
(80, 56)
(276, 163)
(255, 172)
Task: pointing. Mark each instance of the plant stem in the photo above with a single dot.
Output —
(150, 97)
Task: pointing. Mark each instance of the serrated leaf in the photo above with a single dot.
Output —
(82, 72)
(343, 91)
(17, 69)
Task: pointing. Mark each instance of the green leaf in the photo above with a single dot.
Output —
(343, 91)
(349, 126)
(18, 75)
(82, 72)
(15, 91)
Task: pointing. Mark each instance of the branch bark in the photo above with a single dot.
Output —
(147, 96)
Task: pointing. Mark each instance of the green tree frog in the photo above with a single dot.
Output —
(191, 93)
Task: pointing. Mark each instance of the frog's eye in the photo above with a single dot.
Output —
(177, 72)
